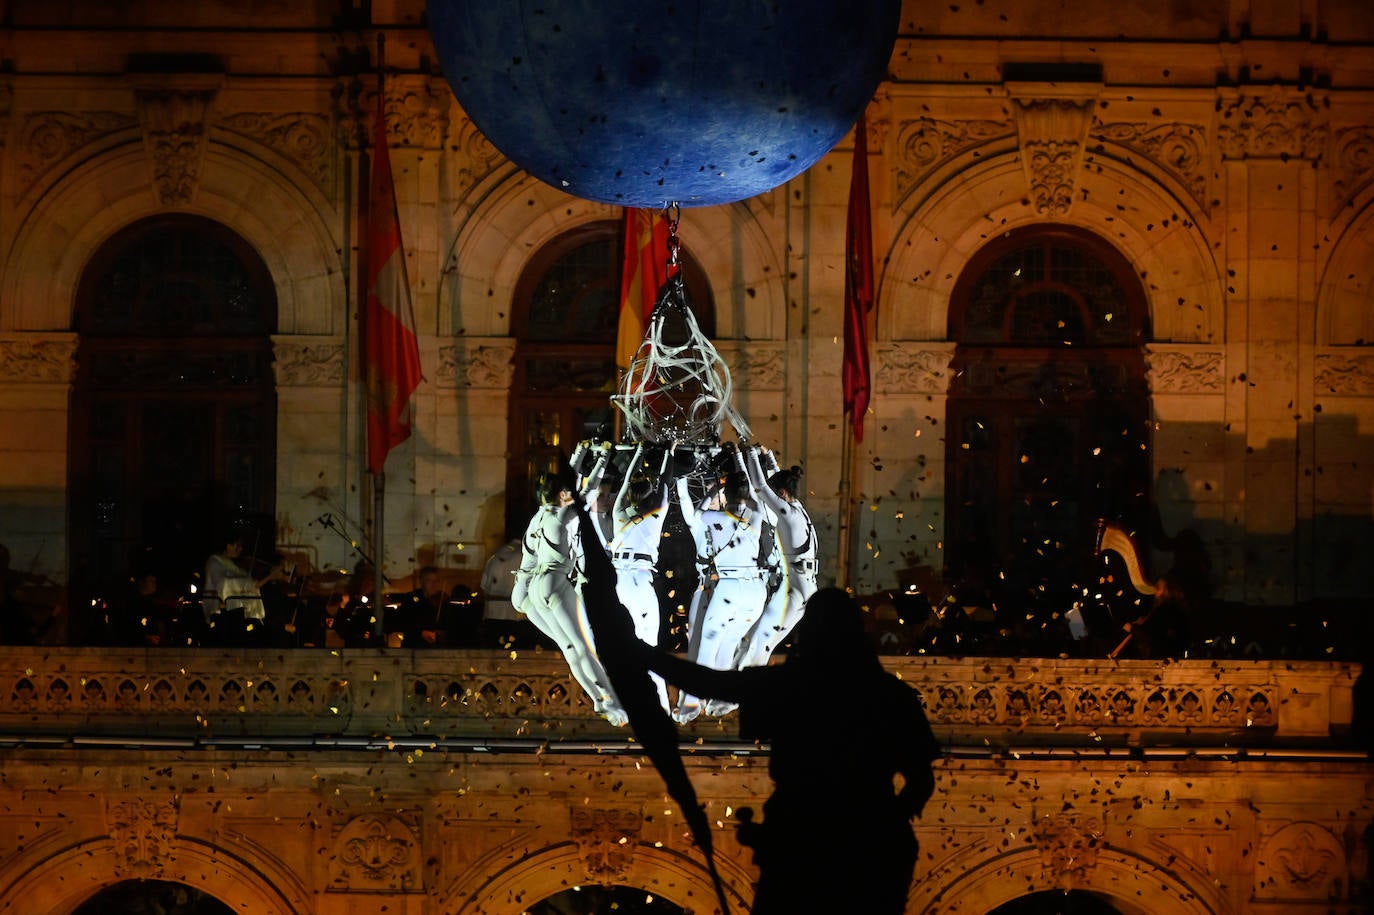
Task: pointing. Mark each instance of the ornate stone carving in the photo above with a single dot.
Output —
(607, 840)
(907, 368)
(376, 852)
(1185, 370)
(755, 365)
(1354, 164)
(1280, 125)
(1301, 861)
(1068, 846)
(476, 365)
(925, 142)
(304, 137)
(143, 833)
(416, 111)
(46, 138)
(1178, 148)
(305, 362)
(26, 359)
(1051, 132)
(1345, 374)
(174, 136)
(477, 158)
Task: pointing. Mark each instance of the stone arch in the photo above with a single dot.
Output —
(514, 877)
(975, 883)
(521, 215)
(289, 226)
(62, 882)
(942, 225)
(1345, 294)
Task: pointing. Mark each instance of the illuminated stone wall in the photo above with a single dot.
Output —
(466, 782)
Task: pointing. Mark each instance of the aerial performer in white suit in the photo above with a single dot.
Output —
(796, 539)
(637, 517)
(545, 591)
(728, 529)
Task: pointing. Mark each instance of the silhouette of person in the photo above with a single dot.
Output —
(836, 833)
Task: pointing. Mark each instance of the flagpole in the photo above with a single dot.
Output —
(379, 477)
(846, 509)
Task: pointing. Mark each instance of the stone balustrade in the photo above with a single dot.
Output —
(496, 700)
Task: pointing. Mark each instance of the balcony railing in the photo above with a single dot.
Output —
(501, 700)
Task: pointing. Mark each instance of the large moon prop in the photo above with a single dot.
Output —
(645, 102)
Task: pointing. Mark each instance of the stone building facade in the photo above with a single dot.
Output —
(1208, 165)
(1221, 153)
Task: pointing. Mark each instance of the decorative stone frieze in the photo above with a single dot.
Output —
(1281, 124)
(924, 143)
(1052, 133)
(1185, 369)
(306, 138)
(1068, 846)
(912, 368)
(144, 835)
(173, 113)
(1178, 148)
(37, 359)
(1349, 374)
(375, 852)
(47, 138)
(301, 361)
(488, 364)
(755, 365)
(606, 839)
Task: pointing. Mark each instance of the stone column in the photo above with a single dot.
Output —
(1268, 143)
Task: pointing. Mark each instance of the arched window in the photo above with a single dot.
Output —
(161, 896)
(1048, 411)
(566, 311)
(173, 422)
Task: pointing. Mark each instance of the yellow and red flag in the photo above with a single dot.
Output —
(643, 273)
(391, 350)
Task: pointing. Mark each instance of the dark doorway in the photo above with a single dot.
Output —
(604, 900)
(173, 420)
(1055, 902)
(151, 897)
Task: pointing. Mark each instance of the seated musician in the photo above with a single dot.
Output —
(231, 596)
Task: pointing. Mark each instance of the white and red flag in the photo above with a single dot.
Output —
(391, 350)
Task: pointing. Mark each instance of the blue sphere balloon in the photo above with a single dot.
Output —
(644, 102)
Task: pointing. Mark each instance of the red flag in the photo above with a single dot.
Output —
(643, 272)
(392, 352)
(858, 286)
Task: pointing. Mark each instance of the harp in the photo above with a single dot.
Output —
(1112, 538)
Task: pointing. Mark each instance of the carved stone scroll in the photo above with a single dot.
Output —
(607, 840)
(35, 359)
(1281, 124)
(925, 142)
(1302, 861)
(756, 366)
(1178, 148)
(46, 138)
(1052, 132)
(912, 368)
(1345, 374)
(174, 136)
(1068, 846)
(469, 364)
(143, 833)
(1185, 370)
(376, 852)
(302, 361)
(1354, 164)
(306, 138)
